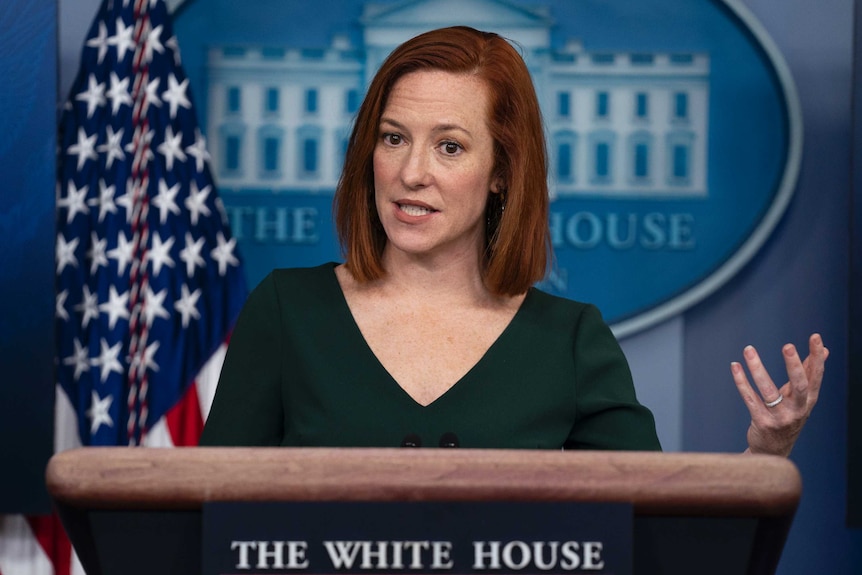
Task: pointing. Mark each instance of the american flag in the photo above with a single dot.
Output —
(149, 281)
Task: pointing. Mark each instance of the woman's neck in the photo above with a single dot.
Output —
(450, 279)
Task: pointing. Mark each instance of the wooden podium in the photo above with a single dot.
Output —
(138, 510)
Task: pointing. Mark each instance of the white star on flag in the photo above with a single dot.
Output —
(105, 201)
(175, 95)
(98, 412)
(223, 253)
(154, 44)
(191, 254)
(154, 306)
(113, 146)
(122, 40)
(80, 359)
(75, 202)
(89, 306)
(119, 93)
(94, 95)
(196, 203)
(166, 201)
(198, 151)
(100, 42)
(108, 360)
(84, 148)
(122, 253)
(160, 253)
(171, 148)
(152, 97)
(65, 253)
(116, 307)
(127, 201)
(96, 253)
(187, 305)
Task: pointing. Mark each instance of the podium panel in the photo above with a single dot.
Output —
(137, 510)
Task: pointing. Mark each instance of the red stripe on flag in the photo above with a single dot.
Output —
(52, 537)
(184, 419)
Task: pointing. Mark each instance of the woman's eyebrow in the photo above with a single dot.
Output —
(447, 127)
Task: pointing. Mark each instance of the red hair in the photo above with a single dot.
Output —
(518, 239)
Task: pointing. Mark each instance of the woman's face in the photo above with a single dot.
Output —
(433, 165)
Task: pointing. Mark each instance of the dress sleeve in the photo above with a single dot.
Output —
(248, 409)
(608, 413)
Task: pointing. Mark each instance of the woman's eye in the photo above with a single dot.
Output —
(451, 148)
(392, 139)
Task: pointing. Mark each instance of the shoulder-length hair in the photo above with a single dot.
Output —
(517, 243)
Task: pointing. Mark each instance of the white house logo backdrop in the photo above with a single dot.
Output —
(673, 128)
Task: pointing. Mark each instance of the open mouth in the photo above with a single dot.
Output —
(413, 210)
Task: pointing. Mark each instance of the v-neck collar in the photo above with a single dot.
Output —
(455, 388)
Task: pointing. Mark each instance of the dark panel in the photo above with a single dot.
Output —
(854, 422)
(28, 102)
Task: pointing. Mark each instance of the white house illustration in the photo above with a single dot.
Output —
(619, 124)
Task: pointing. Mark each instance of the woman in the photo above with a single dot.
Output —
(431, 330)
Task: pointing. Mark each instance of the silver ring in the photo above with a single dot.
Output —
(777, 400)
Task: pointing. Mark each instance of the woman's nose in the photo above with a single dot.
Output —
(415, 171)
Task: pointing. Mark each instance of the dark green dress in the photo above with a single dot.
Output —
(299, 373)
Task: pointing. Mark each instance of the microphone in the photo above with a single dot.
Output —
(449, 439)
(411, 440)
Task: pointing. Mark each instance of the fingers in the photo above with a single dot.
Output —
(797, 375)
(816, 350)
(815, 365)
(804, 378)
(752, 399)
(767, 388)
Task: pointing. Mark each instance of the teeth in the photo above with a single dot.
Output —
(414, 210)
